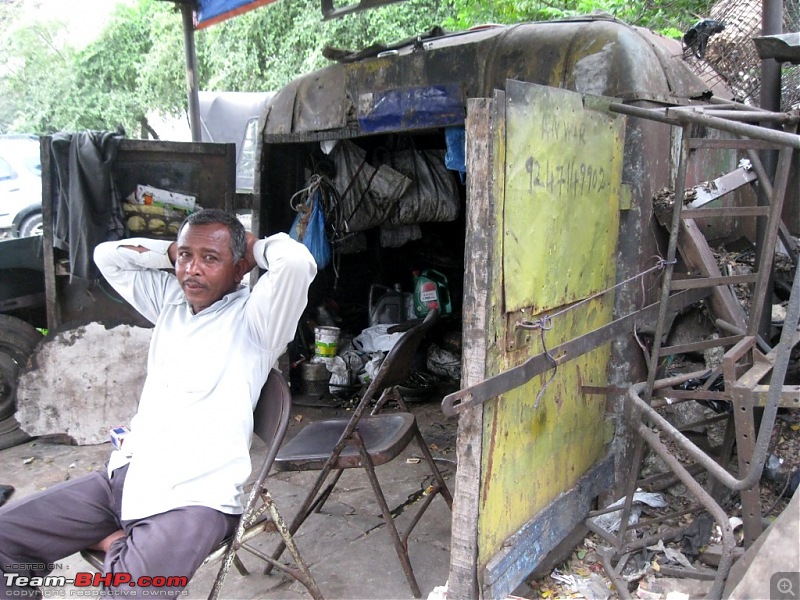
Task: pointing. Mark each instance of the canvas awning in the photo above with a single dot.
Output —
(209, 12)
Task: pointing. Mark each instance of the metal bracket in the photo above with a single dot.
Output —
(459, 401)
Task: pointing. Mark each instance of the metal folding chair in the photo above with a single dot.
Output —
(367, 441)
(270, 421)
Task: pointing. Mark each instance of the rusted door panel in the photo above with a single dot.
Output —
(561, 202)
(555, 225)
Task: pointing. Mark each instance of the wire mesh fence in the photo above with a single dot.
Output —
(728, 54)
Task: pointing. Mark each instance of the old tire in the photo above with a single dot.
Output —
(17, 341)
(18, 338)
(9, 370)
(11, 434)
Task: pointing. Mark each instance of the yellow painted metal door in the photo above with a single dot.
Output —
(543, 211)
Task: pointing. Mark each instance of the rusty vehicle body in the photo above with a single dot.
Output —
(535, 453)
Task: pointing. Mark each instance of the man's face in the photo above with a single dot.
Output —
(205, 267)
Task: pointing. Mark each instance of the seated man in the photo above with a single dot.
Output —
(173, 491)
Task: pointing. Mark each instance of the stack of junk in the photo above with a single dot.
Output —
(377, 202)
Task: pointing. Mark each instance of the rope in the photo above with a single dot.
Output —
(545, 323)
(319, 189)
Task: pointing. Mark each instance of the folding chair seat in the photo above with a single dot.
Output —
(270, 421)
(367, 441)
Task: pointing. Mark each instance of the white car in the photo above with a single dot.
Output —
(20, 185)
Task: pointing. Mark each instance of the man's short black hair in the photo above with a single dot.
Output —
(209, 216)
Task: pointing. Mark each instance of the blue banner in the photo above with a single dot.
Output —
(214, 11)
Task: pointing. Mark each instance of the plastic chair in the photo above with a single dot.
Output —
(270, 421)
(366, 441)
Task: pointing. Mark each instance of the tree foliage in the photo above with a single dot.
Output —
(266, 48)
(136, 65)
(35, 77)
(669, 17)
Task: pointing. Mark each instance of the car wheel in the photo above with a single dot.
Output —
(18, 338)
(31, 226)
(17, 341)
(9, 370)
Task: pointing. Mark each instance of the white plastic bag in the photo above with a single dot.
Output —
(376, 339)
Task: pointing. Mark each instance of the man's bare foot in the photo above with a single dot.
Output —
(104, 544)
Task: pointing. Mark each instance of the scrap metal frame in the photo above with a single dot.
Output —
(748, 358)
(744, 364)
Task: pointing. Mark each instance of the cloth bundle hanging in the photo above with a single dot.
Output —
(367, 194)
(432, 195)
(394, 236)
(88, 209)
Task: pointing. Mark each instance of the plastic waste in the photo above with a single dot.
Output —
(389, 307)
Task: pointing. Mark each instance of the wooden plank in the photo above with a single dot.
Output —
(48, 221)
(697, 255)
(480, 135)
(530, 545)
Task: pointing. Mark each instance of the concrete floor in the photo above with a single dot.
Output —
(348, 551)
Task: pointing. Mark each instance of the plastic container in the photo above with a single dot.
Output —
(431, 291)
(326, 339)
(388, 308)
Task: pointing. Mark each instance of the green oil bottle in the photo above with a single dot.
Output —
(431, 291)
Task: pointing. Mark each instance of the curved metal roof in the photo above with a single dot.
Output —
(595, 55)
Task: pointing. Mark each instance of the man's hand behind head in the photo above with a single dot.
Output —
(248, 257)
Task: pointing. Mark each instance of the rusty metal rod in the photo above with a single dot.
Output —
(738, 115)
(619, 583)
(728, 541)
(686, 444)
(702, 574)
(763, 180)
(731, 328)
(638, 452)
(780, 366)
(789, 140)
(744, 129)
(765, 249)
(734, 104)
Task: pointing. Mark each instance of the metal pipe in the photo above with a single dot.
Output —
(740, 115)
(734, 104)
(191, 71)
(731, 328)
(752, 131)
(771, 24)
(728, 541)
(780, 366)
(770, 99)
(744, 129)
(620, 584)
